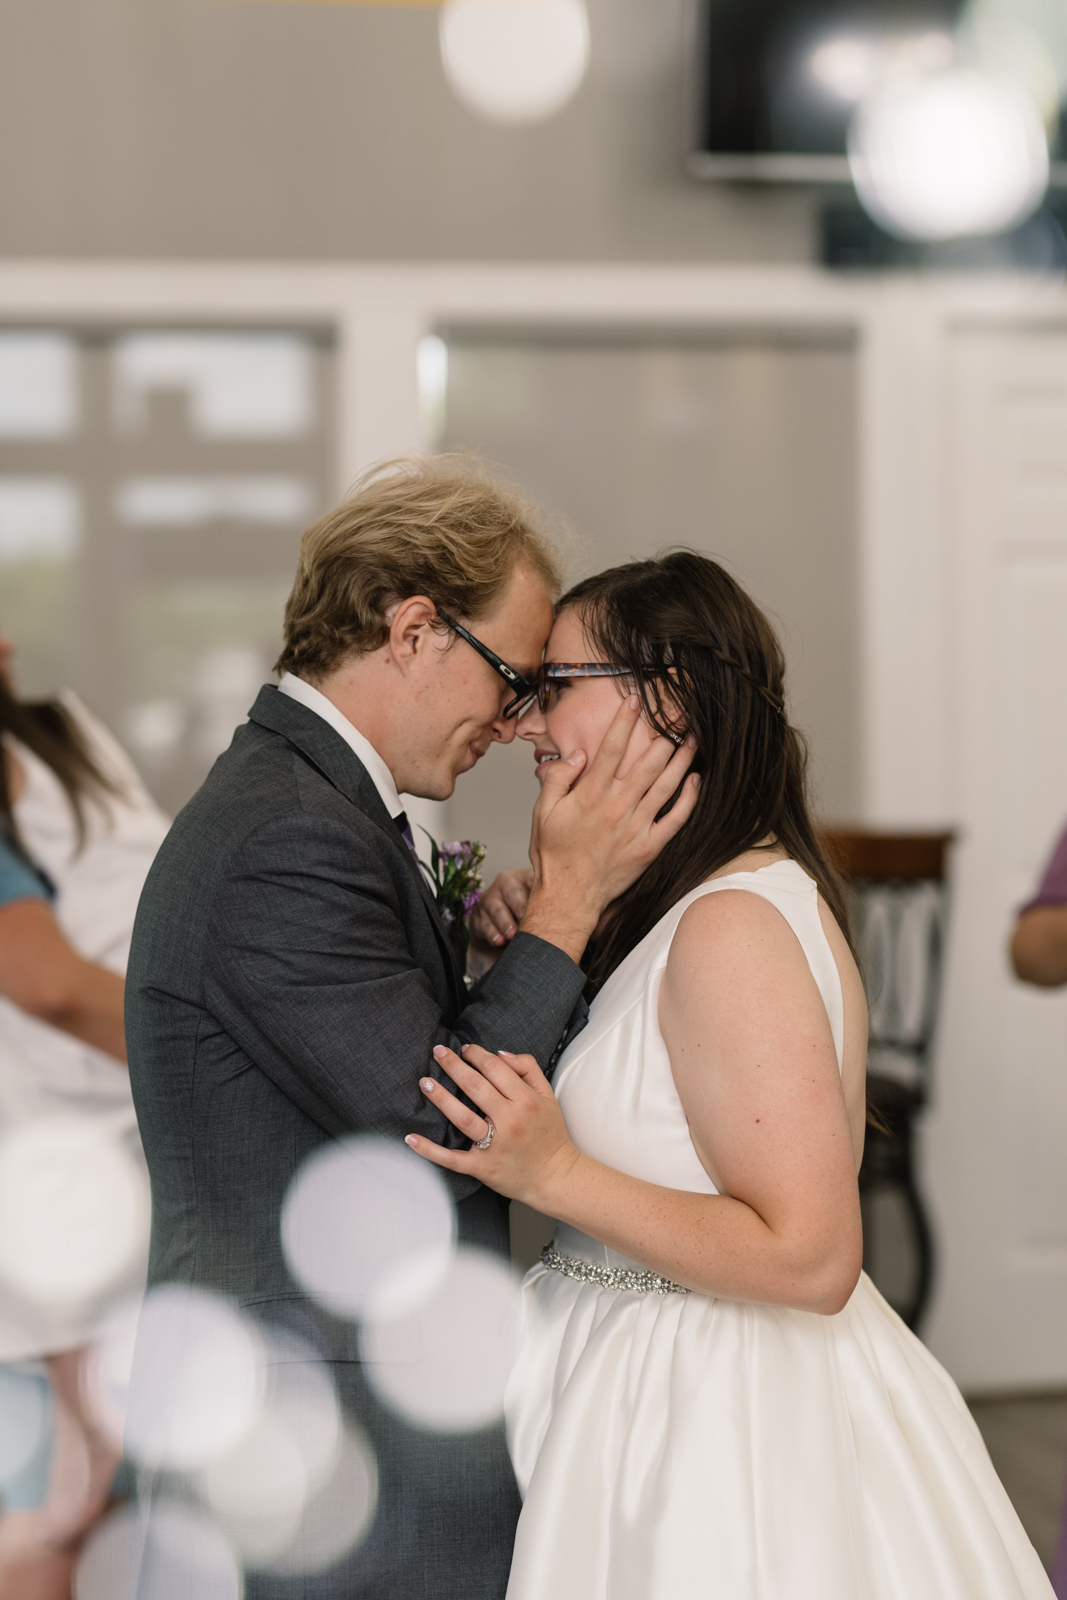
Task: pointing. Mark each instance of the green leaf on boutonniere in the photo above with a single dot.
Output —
(455, 872)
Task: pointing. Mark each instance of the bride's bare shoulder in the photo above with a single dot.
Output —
(728, 928)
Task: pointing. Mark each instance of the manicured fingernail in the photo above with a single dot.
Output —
(440, 1051)
(634, 702)
(695, 780)
(691, 743)
(427, 1085)
(463, 1049)
(409, 1138)
(576, 759)
(510, 929)
(498, 938)
(509, 1055)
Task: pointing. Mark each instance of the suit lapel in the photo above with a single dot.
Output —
(338, 763)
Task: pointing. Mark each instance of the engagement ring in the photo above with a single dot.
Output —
(483, 1144)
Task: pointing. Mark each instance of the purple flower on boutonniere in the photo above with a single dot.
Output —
(456, 874)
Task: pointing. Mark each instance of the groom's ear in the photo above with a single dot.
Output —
(411, 630)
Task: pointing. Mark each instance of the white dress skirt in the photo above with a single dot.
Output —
(43, 1071)
(676, 1446)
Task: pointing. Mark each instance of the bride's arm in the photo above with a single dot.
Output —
(756, 1071)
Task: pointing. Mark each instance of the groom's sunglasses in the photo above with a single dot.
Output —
(527, 691)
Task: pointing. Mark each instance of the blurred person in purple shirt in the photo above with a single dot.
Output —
(1039, 956)
(1039, 943)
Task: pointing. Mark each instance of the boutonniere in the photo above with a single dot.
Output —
(456, 876)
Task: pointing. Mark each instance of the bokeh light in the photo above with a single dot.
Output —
(257, 1490)
(25, 1417)
(514, 60)
(107, 1370)
(74, 1211)
(1017, 53)
(338, 1515)
(296, 1491)
(1027, 39)
(444, 1366)
(948, 154)
(250, 1416)
(368, 1228)
(197, 1383)
(300, 1394)
(850, 65)
(175, 1554)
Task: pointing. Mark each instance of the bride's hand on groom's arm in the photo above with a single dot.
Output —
(530, 1151)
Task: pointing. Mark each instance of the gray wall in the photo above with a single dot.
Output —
(741, 447)
(227, 128)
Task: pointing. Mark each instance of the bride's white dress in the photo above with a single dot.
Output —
(682, 1447)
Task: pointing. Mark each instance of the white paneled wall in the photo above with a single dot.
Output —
(995, 1146)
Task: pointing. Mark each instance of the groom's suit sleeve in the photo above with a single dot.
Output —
(310, 970)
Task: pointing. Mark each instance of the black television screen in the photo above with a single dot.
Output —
(780, 79)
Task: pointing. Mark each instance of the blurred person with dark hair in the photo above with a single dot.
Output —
(1039, 943)
(77, 834)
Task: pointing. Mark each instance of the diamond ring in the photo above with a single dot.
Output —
(483, 1144)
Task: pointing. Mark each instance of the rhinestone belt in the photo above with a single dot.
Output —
(639, 1281)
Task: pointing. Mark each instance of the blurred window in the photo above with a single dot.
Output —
(40, 520)
(740, 444)
(239, 386)
(183, 502)
(154, 484)
(38, 386)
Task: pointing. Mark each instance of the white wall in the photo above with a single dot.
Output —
(312, 131)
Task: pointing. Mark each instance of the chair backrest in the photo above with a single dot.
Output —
(898, 886)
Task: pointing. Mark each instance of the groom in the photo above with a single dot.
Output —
(290, 974)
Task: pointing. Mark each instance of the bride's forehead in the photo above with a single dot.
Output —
(567, 641)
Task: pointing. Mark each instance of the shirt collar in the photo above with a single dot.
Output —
(379, 774)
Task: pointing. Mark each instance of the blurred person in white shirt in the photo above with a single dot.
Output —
(78, 832)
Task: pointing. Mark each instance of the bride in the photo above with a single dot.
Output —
(711, 1398)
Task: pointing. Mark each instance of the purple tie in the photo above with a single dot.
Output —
(403, 827)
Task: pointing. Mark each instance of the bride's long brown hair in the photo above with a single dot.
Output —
(705, 660)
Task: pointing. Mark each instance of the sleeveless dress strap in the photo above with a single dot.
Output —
(788, 888)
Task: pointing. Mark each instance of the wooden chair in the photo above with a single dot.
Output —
(898, 891)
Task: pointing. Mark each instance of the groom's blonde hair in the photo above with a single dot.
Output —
(437, 526)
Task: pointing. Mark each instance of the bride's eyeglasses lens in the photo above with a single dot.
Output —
(555, 672)
(562, 672)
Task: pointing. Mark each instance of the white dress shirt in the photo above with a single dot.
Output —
(377, 770)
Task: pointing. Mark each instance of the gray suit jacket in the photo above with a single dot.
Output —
(288, 980)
